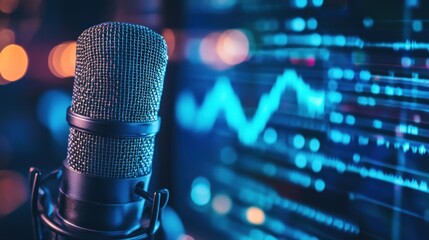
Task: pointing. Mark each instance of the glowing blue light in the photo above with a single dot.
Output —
(270, 136)
(223, 5)
(192, 50)
(340, 40)
(332, 85)
(350, 120)
(341, 167)
(336, 117)
(312, 23)
(316, 166)
(51, 111)
(335, 97)
(315, 39)
(297, 24)
(298, 141)
(398, 91)
(300, 161)
(346, 139)
(365, 75)
(327, 40)
(358, 87)
(269, 169)
(336, 135)
(406, 62)
(336, 73)
(371, 101)
(186, 108)
(368, 22)
(377, 123)
(417, 26)
(356, 157)
(280, 39)
(314, 145)
(200, 192)
(301, 3)
(412, 3)
(317, 3)
(375, 88)
(348, 74)
(319, 185)
(389, 90)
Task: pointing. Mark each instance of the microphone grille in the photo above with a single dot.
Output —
(119, 77)
(119, 73)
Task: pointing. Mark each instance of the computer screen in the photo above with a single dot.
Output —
(303, 119)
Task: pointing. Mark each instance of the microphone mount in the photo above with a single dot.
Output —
(43, 215)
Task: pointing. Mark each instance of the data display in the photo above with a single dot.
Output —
(305, 119)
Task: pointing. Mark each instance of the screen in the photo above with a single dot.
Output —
(304, 119)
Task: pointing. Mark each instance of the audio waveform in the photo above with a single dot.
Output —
(223, 99)
(362, 197)
(414, 147)
(317, 40)
(407, 45)
(367, 172)
(268, 197)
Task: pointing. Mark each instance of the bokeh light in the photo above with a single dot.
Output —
(13, 191)
(51, 111)
(185, 237)
(255, 215)
(222, 204)
(225, 49)
(208, 51)
(170, 39)
(8, 6)
(13, 62)
(233, 47)
(7, 37)
(62, 59)
(200, 192)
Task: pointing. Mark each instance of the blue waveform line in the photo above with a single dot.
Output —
(408, 45)
(357, 196)
(223, 98)
(368, 172)
(317, 40)
(414, 147)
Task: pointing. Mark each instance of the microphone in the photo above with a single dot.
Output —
(113, 120)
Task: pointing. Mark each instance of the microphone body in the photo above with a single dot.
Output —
(113, 120)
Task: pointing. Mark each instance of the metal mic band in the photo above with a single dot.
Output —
(110, 128)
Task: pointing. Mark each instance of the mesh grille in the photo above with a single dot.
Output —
(119, 77)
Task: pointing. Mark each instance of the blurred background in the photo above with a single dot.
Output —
(281, 119)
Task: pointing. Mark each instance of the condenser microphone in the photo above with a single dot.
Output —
(113, 120)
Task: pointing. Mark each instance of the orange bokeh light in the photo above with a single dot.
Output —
(233, 47)
(170, 38)
(62, 60)
(255, 215)
(13, 62)
(208, 51)
(226, 49)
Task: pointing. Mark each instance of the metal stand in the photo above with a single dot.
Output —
(42, 209)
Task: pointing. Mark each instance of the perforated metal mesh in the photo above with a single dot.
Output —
(119, 77)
